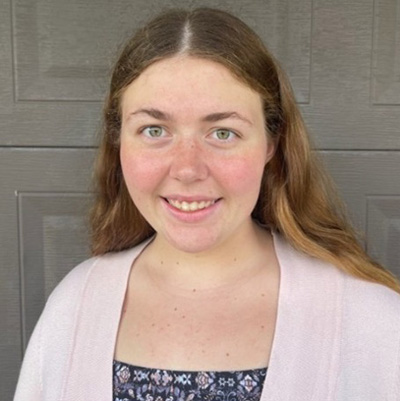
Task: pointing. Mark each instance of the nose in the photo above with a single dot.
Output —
(188, 162)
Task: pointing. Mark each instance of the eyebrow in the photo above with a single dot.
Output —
(214, 117)
(157, 114)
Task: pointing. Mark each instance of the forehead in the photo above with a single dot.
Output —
(187, 81)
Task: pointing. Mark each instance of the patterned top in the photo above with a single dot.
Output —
(145, 384)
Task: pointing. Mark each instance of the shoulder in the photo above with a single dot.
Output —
(87, 300)
(362, 303)
(102, 273)
(356, 290)
(369, 340)
(97, 284)
(371, 304)
(370, 335)
(71, 284)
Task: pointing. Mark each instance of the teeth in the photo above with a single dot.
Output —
(190, 206)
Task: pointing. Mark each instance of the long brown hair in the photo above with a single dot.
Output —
(296, 197)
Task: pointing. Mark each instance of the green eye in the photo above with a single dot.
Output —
(153, 131)
(224, 134)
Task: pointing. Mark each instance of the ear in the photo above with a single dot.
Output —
(271, 147)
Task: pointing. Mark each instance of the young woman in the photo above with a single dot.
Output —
(223, 268)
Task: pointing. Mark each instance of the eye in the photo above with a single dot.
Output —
(153, 131)
(224, 134)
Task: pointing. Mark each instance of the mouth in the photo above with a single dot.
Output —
(194, 206)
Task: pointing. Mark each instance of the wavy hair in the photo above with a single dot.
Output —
(296, 197)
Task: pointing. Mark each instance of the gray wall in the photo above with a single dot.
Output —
(343, 58)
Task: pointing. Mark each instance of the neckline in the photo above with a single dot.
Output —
(179, 371)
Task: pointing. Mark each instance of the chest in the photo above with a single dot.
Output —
(230, 329)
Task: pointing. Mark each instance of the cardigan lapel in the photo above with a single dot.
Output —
(90, 371)
(306, 346)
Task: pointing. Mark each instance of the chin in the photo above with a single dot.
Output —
(193, 243)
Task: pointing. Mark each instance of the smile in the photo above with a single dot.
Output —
(190, 206)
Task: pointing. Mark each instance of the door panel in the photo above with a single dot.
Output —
(343, 59)
(43, 213)
(370, 186)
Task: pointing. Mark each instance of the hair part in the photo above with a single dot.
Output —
(297, 199)
(187, 34)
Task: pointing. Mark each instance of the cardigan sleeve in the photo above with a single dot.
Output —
(397, 384)
(29, 387)
(47, 356)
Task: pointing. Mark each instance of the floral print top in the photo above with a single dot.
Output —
(145, 384)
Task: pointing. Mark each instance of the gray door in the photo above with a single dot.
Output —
(344, 62)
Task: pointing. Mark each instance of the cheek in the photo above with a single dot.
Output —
(243, 174)
(140, 172)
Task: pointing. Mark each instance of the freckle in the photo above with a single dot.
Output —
(194, 289)
(162, 262)
(183, 316)
(168, 325)
(263, 295)
(202, 351)
(234, 259)
(227, 354)
(153, 325)
(175, 309)
(177, 263)
(262, 327)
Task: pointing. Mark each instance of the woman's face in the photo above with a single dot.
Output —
(193, 151)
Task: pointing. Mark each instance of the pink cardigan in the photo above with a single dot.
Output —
(337, 337)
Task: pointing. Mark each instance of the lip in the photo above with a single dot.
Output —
(196, 216)
(192, 198)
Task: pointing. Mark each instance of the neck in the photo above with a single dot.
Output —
(222, 266)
